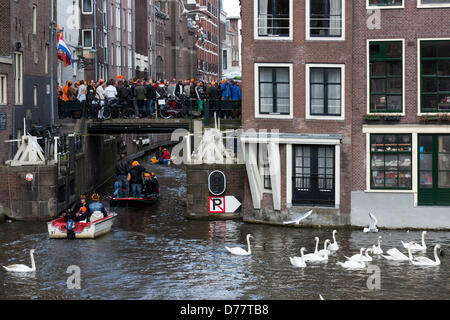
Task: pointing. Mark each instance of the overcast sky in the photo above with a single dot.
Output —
(231, 7)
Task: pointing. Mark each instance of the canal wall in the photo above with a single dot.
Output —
(197, 192)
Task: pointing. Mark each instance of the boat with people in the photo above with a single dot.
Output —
(134, 202)
(98, 225)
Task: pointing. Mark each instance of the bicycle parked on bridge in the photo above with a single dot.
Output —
(113, 108)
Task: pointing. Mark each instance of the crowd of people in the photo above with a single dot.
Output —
(134, 181)
(143, 94)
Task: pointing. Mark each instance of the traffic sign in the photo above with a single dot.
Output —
(227, 204)
(29, 177)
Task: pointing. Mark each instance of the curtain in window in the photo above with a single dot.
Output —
(334, 91)
(335, 17)
(262, 17)
(317, 91)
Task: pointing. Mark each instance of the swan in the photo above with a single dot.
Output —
(377, 249)
(360, 256)
(299, 219)
(298, 262)
(424, 261)
(324, 250)
(315, 257)
(334, 246)
(415, 246)
(353, 265)
(239, 251)
(373, 224)
(395, 254)
(22, 267)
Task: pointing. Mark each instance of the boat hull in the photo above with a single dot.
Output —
(133, 202)
(83, 230)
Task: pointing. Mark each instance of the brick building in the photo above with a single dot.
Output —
(24, 69)
(296, 67)
(401, 103)
(231, 51)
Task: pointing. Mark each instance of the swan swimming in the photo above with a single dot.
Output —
(415, 246)
(395, 254)
(298, 262)
(324, 250)
(360, 256)
(334, 246)
(377, 249)
(22, 267)
(353, 265)
(373, 224)
(424, 261)
(299, 219)
(315, 257)
(239, 251)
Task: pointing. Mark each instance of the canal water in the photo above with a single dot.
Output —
(156, 253)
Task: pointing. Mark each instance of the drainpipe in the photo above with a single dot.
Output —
(52, 48)
(95, 41)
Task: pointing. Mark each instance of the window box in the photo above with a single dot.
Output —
(369, 117)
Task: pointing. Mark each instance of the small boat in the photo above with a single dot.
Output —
(134, 202)
(83, 230)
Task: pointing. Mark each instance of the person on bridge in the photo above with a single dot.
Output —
(136, 173)
(96, 205)
(122, 170)
(140, 92)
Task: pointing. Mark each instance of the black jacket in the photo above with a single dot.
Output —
(122, 167)
(136, 174)
(151, 92)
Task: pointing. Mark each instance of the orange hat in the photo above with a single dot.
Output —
(147, 174)
(95, 196)
(135, 163)
(213, 83)
(119, 76)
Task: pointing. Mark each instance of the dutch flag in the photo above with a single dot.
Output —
(64, 52)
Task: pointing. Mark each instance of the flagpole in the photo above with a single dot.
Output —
(52, 48)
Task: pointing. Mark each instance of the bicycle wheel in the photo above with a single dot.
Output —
(164, 114)
(106, 112)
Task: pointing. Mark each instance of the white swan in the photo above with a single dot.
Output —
(424, 261)
(360, 256)
(324, 250)
(297, 221)
(22, 267)
(239, 251)
(395, 254)
(415, 246)
(315, 257)
(373, 224)
(298, 261)
(377, 249)
(334, 246)
(353, 265)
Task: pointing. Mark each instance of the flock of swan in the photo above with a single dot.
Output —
(357, 261)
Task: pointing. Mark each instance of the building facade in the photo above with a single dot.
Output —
(231, 52)
(401, 105)
(24, 70)
(296, 116)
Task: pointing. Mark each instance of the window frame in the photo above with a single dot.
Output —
(92, 38)
(308, 24)
(386, 6)
(256, 35)
(4, 89)
(419, 77)
(18, 78)
(421, 5)
(259, 115)
(310, 116)
(34, 19)
(368, 79)
(83, 11)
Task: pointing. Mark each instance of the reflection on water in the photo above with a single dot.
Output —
(156, 253)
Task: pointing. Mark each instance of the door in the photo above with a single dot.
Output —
(313, 175)
(434, 170)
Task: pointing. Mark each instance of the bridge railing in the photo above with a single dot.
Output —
(168, 108)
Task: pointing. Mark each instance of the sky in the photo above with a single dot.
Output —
(231, 7)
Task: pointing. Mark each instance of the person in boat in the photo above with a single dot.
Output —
(117, 187)
(151, 185)
(122, 170)
(96, 205)
(165, 157)
(159, 153)
(80, 210)
(136, 177)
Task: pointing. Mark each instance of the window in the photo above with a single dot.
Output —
(34, 19)
(386, 76)
(273, 18)
(18, 78)
(391, 161)
(273, 90)
(35, 93)
(87, 39)
(381, 4)
(435, 76)
(87, 7)
(3, 90)
(325, 19)
(325, 92)
(225, 60)
(46, 59)
(433, 3)
(263, 163)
